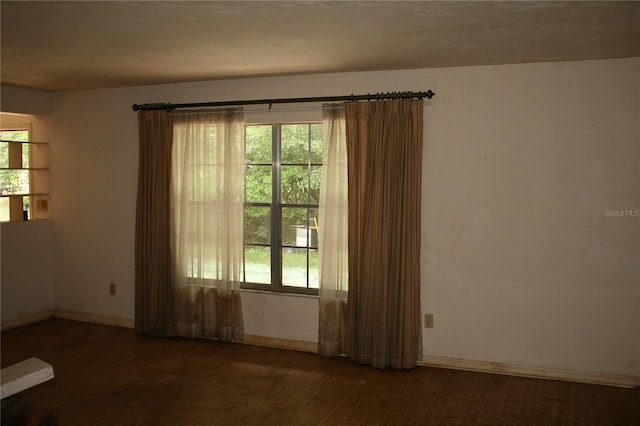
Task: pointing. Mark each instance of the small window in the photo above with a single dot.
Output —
(23, 176)
(283, 168)
(14, 175)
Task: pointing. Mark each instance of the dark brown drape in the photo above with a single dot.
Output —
(155, 308)
(384, 146)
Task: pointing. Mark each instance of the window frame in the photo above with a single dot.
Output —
(276, 206)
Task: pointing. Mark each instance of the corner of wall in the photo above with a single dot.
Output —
(24, 101)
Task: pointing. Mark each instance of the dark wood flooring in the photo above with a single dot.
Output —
(112, 376)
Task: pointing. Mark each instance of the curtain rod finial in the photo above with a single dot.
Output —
(430, 94)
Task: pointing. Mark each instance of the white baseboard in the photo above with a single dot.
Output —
(529, 371)
(69, 315)
(429, 361)
(275, 342)
(27, 319)
(97, 319)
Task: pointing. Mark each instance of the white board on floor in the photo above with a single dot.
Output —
(24, 375)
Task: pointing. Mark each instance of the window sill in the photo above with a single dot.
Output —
(279, 293)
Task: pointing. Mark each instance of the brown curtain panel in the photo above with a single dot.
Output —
(384, 148)
(155, 307)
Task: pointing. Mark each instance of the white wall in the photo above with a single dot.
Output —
(24, 101)
(26, 279)
(520, 265)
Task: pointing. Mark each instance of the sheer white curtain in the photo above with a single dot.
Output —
(208, 176)
(333, 235)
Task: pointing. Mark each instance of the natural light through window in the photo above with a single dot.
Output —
(14, 173)
(282, 192)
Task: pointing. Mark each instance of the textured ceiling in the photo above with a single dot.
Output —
(58, 45)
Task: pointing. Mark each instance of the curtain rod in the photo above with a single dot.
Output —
(368, 97)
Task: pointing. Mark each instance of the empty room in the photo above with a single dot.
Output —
(320, 212)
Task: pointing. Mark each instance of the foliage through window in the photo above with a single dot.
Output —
(14, 171)
(283, 168)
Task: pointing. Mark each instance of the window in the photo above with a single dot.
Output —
(14, 174)
(283, 168)
(24, 175)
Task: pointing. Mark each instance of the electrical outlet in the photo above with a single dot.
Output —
(428, 320)
(112, 289)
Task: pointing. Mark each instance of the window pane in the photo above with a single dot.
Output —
(207, 261)
(4, 209)
(297, 230)
(313, 227)
(295, 144)
(315, 179)
(204, 183)
(211, 262)
(314, 275)
(258, 144)
(4, 155)
(257, 225)
(257, 264)
(316, 144)
(15, 135)
(258, 184)
(294, 267)
(25, 156)
(14, 182)
(26, 207)
(294, 183)
(294, 226)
